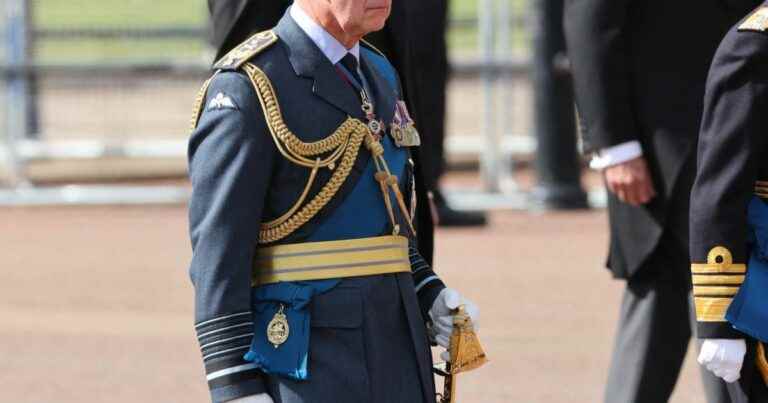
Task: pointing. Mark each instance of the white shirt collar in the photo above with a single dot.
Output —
(330, 46)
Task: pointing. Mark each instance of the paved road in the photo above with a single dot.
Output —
(96, 307)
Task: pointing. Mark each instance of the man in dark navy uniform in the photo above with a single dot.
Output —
(639, 69)
(729, 213)
(301, 220)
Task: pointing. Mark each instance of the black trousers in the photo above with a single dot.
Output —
(655, 326)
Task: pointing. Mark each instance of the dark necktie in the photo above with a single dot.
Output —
(350, 63)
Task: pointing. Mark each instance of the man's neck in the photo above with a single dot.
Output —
(326, 20)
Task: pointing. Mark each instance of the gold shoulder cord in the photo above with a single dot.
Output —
(343, 145)
(198, 109)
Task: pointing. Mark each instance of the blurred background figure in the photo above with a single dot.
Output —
(415, 33)
(33, 104)
(557, 165)
(233, 21)
(639, 77)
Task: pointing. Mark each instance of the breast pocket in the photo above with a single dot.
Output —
(338, 364)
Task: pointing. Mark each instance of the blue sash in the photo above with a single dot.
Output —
(290, 358)
(348, 221)
(748, 312)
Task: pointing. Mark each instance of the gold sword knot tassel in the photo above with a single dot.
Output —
(388, 181)
(373, 145)
(465, 350)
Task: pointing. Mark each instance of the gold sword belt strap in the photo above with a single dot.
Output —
(331, 259)
(761, 189)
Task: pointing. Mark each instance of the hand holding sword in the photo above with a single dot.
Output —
(454, 328)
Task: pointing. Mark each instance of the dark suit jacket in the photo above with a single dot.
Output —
(639, 69)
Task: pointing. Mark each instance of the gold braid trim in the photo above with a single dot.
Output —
(288, 143)
(199, 100)
(289, 225)
(279, 220)
(344, 145)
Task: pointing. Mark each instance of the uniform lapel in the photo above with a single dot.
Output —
(308, 61)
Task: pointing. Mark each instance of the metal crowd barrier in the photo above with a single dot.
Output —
(17, 149)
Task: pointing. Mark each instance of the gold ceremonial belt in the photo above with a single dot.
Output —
(331, 259)
(761, 189)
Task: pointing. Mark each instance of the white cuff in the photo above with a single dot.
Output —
(615, 155)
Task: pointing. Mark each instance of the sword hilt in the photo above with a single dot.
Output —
(465, 351)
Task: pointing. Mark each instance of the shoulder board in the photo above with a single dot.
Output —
(368, 45)
(246, 50)
(757, 21)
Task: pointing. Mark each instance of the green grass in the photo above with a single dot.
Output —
(137, 14)
(463, 8)
(95, 51)
(119, 13)
(465, 40)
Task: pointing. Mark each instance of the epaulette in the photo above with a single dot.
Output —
(373, 48)
(246, 50)
(757, 21)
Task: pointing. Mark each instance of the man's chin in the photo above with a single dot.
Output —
(376, 18)
(373, 26)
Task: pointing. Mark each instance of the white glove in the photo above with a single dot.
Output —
(260, 398)
(442, 316)
(723, 357)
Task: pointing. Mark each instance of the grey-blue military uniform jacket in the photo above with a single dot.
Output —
(241, 179)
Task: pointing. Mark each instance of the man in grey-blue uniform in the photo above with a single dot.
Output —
(309, 284)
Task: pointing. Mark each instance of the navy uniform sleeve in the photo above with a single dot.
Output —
(427, 283)
(231, 157)
(596, 37)
(732, 138)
